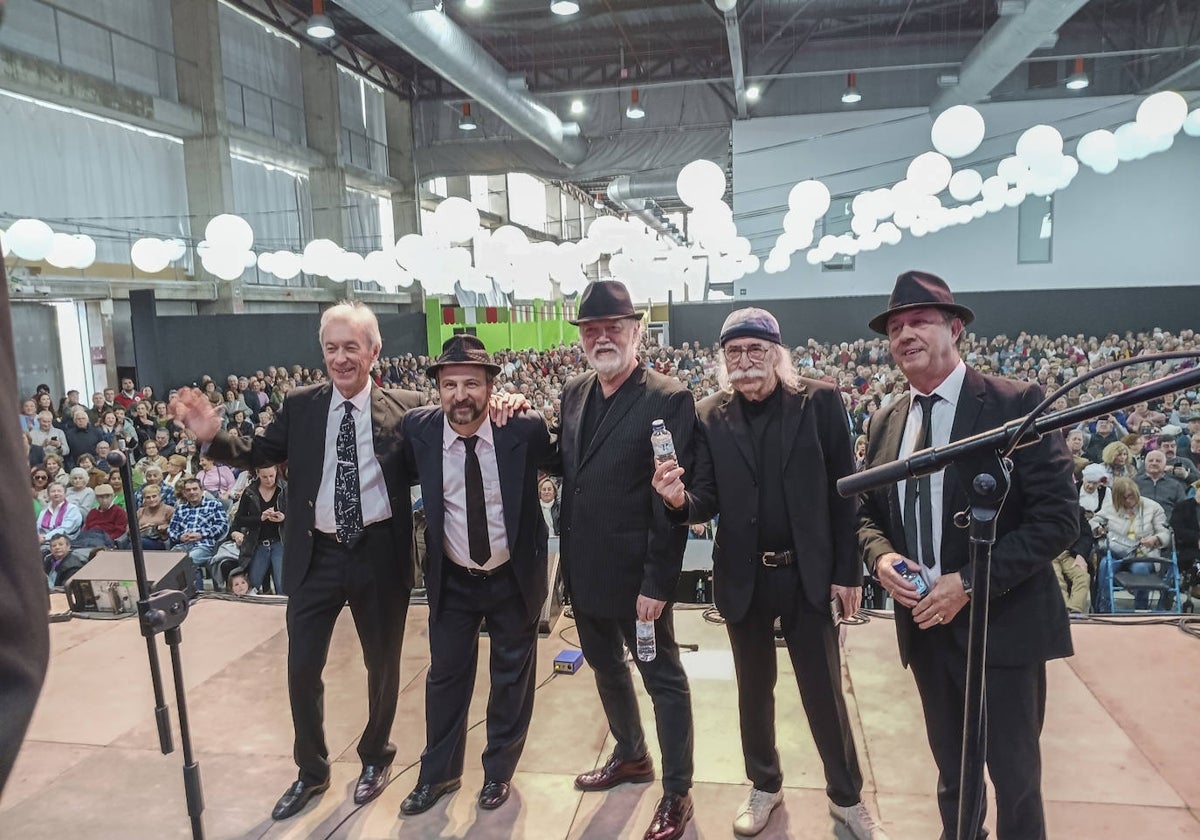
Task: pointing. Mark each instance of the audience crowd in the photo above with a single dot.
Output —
(1136, 469)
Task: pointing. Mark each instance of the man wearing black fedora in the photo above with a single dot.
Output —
(913, 522)
(485, 560)
(621, 554)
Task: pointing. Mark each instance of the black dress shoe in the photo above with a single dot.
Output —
(296, 797)
(426, 795)
(371, 782)
(493, 795)
(670, 818)
(616, 772)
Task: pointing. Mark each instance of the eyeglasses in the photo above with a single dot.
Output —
(41, 477)
(756, 353)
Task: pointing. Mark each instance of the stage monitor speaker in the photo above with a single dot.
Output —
(108, 584)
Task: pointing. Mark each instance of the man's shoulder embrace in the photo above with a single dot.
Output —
(403, 398)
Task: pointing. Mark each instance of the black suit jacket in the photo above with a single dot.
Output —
(616, 539)
(298, 437)
(1027, 616)
(521, 444)
(816, 452)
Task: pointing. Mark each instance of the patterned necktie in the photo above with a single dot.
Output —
(477, 526)
(921, 488)
(347, 502)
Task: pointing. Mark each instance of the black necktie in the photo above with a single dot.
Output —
(347, 499)
(920, 487)
(477, 526)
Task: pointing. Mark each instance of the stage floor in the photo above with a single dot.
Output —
(1119, 743)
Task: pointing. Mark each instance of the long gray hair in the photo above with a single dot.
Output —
(783, 366)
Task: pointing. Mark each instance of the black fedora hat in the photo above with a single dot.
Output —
(463, 349)
(605, 299)
(916, 290)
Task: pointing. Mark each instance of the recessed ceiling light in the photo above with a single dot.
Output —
(474, 4)
(753, 93)
(564, 7)
(577, 107)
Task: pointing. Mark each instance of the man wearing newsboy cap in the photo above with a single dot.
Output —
(912, 522)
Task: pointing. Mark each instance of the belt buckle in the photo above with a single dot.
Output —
(768, 557)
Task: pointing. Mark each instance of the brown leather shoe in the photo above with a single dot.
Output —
(616, 772)
(671, 817)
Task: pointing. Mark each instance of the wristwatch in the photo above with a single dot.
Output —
(964, 575)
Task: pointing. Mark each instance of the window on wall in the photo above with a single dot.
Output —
(527, 200)
(481, 197)
(437, 186)
(835, 223)
(1035, 230)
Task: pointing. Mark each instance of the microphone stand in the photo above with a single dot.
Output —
(163, 612)
(984, 457)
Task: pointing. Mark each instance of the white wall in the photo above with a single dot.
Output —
(1137, 226)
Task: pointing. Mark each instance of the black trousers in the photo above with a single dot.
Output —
(367, 578)
(454, 654)
(1015, 708)
(812, 644)
(604, 641)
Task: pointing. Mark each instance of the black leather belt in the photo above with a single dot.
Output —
(479, 573)
(777, 559)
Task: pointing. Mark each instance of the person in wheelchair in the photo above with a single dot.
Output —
(1134, 527)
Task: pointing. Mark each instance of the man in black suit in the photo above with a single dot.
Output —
(346, 538)
(770, 449)
(1028, 622)
(485, 560)
(621, 554)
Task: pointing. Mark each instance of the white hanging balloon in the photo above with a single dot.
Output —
(456, 219)
(1098, 150)
(862, 225)
(1162, 113)
(319, 257)
(813, 257)
(1014, 197)
(151, 255)
(1191, 125)
(266, 262)
(286, 265)
(408, 249)
(1010, 169)
(699, 182)
(994, 187)
(930, 172)
(809, 199)
(958, 131)
(177, 249)
(249, 259)
(1068, 170)
(62, 251)
(85, 252)
(30, 239)
(231, 232)
(1133, 142)
(223, 264)
(1040, 147)
(889, 233)
(965, 184)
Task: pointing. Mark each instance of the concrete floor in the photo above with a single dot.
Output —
(1119, 743)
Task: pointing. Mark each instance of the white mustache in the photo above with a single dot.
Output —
(753, 373)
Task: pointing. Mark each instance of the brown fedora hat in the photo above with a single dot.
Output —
(917, 290)
(605, 299)
(463, 349)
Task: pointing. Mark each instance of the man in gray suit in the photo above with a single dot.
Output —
(621, 554)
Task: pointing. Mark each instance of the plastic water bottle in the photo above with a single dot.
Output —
(662, 443)
(700, 591)
(646, 649)
(912, 577)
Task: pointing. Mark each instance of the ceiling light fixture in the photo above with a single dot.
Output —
(753, 93)
(319, 25)
(474, 4)
(577, 107)
(851, 96)
(1079, 79)
(599, 202)
(564, 7)
(466, 122)
(635, 111)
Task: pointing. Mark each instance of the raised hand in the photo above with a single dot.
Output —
(192, 409)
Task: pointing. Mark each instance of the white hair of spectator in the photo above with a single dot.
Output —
(354, 312)
(781, 359)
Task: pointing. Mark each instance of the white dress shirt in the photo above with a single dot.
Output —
(943, 423)
(454, 497)
(371, 488)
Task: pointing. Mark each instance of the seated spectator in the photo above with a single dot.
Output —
(1155, 483)
(66, 408)
(87, 462)
(240, 426)
(1143, 415)
(197, 525)
(1116, 459)
(1075, 445)
(28, 416)
(96, 412)
(118, 486)
(1071, 568)
(162, 439)
(80, 435)
(58, 517)
(49, 437)
(1104, 435)
(107, 427)
(143, 424)
(62, 560)
(151, 458)
(175, 473)
(123, 430)
(79, 493)
(860, 452)
(1137, 443)
(238, 582)
(129, 395)
(39, 480)
(1178, 466)
(154, 517)
(1133, 527)
(191, 454)
(107, 518)
(215, 478)
(54, 466)
(154, 475)
(43, 402)
(257, 529)
(548, 497)
(1185, 522)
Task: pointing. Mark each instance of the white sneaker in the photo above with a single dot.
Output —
(859, 820)
(756, 811)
